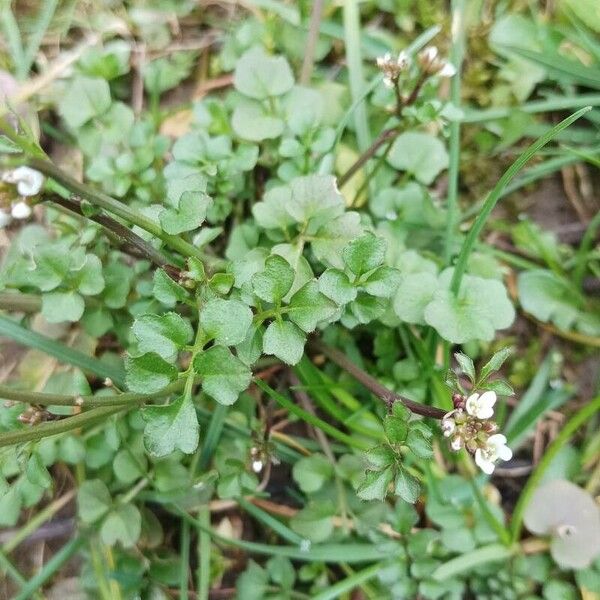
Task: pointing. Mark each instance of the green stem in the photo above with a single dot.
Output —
(570, 427)
(495, 194)
(456, 58)
(43, 399)
(203, 553)
(39, 432)
(115, 207)
(184, 560)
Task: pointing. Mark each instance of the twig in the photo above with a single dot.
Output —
(388, 396)
(382, 138)
(126, 235)
(311, 42)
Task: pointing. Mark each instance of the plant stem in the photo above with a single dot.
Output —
(382, 138)
(388, 396)
(311, 42)
(456, 58)
(584, 249)
(39, 432)
(119, 209)
(43, 399)
(346, 585)
(570, 427)
(124, 234)
(495, 194)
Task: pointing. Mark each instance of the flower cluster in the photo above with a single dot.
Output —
(433, 64)
(470, 426)
(392, 68)
(29, 183)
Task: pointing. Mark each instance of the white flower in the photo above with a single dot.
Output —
(403, 60)
(481, 406)
(21, 210)
(448, 425)
(29, 181)
(456, 443)
(429, 54)
(495, 449)
(384, 61)
(257, 466)
(5, 218)
(448, 70)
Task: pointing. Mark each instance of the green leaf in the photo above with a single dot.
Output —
(275, 281)
(123, 524)
(314, 522)
(551, 298)
(224, 376)
(148, 373)
(421, 154)
(481, 308)
(501, 387)
(90, 281)
(407, 486)
(495, 363)
(418, 444)
(335, 284)
(10, 506)
(58, 307)
(37, 473)
(164, 334)
(167, 291)
(382, 282)
(311, 472)
(466, 365)
(226, 321)
(364, 254)
(258, 75)
(171, 427)
(84, 98)
(93, 500)
(367, 308)
(190, 214)
(333, 236)
(250, 349)
(308, 306)
(414, 293)
(315, 198)
(252, 121)
(375, 484)
(284, 340)
(271, 212)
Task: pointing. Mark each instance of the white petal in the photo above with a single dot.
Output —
(430, 53)
(504, 453)
(497, 440)
(488, 398)
(472, 404)
(456, 444)
(21, 210)
(487, 466)
(257, 466)
(448, 70)
(29, 181)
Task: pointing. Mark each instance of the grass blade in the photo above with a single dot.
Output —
(11, 329)
(496, 193)
(310, 418)
(467, 562)
(347, 585)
